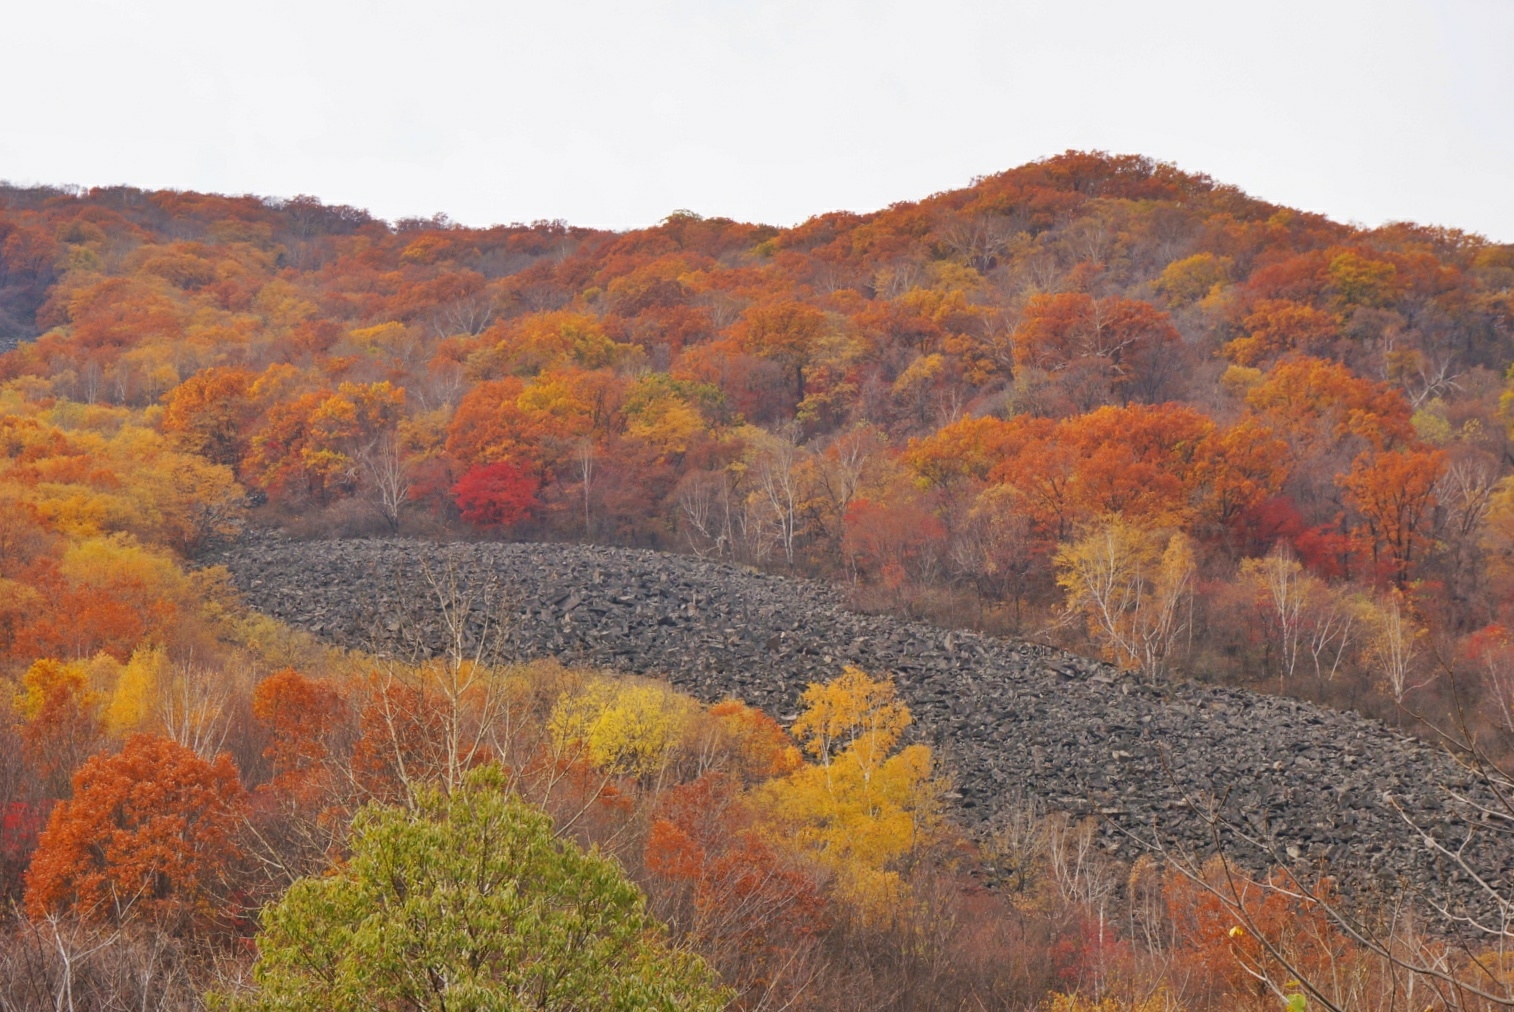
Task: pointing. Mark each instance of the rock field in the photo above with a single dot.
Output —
(1010, 720)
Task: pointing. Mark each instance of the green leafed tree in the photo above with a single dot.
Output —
(469, 902)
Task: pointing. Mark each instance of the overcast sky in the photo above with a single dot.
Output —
(615, 113)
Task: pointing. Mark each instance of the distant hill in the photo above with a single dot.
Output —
(931, 401)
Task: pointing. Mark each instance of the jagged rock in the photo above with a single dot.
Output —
(1009, 719)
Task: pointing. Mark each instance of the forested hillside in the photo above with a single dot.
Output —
(945, 398)
(1093, 400)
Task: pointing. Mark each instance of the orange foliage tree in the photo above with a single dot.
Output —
(1395, 493)
(1115, 341)
(1314, 404)
(785, 333)
(299, 714)
(61, 722)
(307, 447)
(728, 891)
(210, 412)
(149, 833)
(1275, 327)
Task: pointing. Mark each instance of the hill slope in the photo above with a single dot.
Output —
(1012, 720)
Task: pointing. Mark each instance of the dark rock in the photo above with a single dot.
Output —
(1010, 719)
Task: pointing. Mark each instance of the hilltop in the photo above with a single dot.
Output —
(1093, 488)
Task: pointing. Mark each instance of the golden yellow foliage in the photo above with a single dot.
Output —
(664, 421)
(630, 728)
(135, 699)
(382, 338)
(852, 713)
(545, 340)
(1497, 534)
(865, 809)
(1190, 279)
(120, 560)
(97, 472)
(920, 374)
(46, 679)
(1130, 584)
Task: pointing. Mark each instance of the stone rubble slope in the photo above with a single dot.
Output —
(1010, 720)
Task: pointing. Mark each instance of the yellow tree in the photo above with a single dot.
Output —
(1393, 642)
(1496, 535)
(1132, 586)
(134, 701)
(623, 727)
(60, 720)
(851, 714)
(867, 806)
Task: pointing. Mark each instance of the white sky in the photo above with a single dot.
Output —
(615, 112)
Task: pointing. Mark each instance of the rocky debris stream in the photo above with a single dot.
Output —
(1010, 721)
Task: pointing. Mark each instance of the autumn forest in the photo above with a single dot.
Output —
(1093, 401)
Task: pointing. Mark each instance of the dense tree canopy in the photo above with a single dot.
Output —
(469, 901)
(150, 832)
(1092, 399)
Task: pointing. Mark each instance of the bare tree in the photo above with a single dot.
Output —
(704, 507)
(1083, 874)
(778, 487)
(458, 660)
(995, 548)
(583, 461)
(1448, 950)
(193, 708)
(383, 463)
(897, 278)
(1393, 643)
(1420, 377)
(72, 965)
(467, 314)
(1465, 492)
(978, 241)
(445, 383)
(1332, 630)
(90, 380)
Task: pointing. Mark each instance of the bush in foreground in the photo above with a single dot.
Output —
(469, 902)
